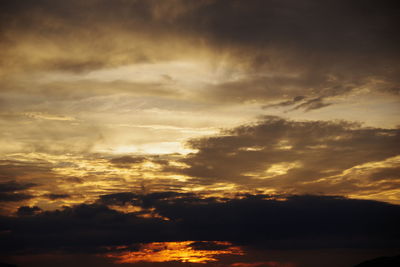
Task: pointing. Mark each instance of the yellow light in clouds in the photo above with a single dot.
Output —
(161, 148)
(174, 251)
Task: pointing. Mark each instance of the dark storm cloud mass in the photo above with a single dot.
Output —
(80, 228)
(323, 48)
(10, 191)
(297, 222)
(306, 151)
(344, 26)
(319, 49)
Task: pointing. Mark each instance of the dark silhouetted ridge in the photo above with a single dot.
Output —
(381, 262)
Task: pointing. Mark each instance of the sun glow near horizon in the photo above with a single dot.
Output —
(175, 251)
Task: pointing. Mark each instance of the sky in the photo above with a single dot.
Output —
(234, 133)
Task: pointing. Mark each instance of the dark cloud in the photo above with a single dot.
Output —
(127, 161)
(254, 220)
(28, 211)
(61, 25)
(314, 103)
(118, 198)
(301, 102)
(345, 26)
(208, 245)
(285, 48)
(9, 191)
(346, 40)
(12, 169)
(318, 82)
(14, 197)
(57, 196)
(291, 102)
(268, 222)
(82, 228)
(386, 173)
(12, 186)
(144, 200)
(292, 155)
(312, 25)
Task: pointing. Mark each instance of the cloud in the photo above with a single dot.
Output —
(78, 88)
(12, 186)
(254, 220)
(144, 200)
(57, 196)
(10, 191)
(295, 156)
(28, 211)
(209, 245)
(269, 222)
(62, 25)
(12, 169)
(118, 198)
(80, 228)
(291, 102)
(273, 50)
(127, 161)
(14, 197)
(323, 52)
(314, 103)
(385, 173)
(301, 102)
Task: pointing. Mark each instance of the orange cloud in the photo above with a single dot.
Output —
(174, 251)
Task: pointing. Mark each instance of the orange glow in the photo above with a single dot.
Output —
(173, 251)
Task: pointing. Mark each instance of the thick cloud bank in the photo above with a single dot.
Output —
(297, 222)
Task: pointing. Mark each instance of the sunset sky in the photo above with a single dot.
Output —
(234, 133)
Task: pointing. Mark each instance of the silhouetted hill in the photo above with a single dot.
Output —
(381, 262)
(7, 265)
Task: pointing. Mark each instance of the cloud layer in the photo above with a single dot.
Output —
(296, 222)
(262, 123)
(335, 157)
(283, 49)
